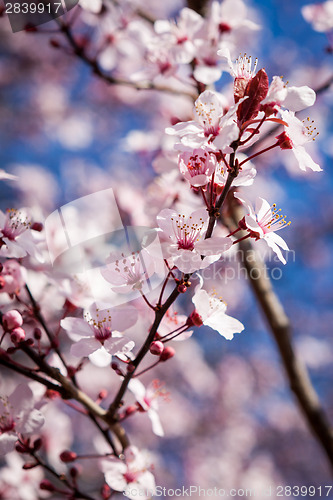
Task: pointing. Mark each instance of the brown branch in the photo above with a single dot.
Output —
(75, 393)
(97, 70)
(200, 6)
(298, 376)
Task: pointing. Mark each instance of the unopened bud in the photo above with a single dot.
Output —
(37, 333)
(37, 444)
(168, 353)
(2, 282)
(46, 485)
(129, 410)
(102, 394)
(71, 371)
(29, 465)
(37, 226)
(156, 348)
(68, 456)
(106, 492)
(73, 472)
(54, 43)
(12, 319)
(17, 335)
(20, 448)
(130, 368)
(194, 319)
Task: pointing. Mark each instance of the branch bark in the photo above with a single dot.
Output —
(279, 324)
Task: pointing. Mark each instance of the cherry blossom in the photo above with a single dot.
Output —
(132, 475)
(210, 310)
(245, 176)
(197, 167)
(128, 273)
(298, 133)
(181, 35)
(93, 6)
(263, 222)
(18, 416)
(292, 98)
(98, 334)
(185, 240)
(320, 15)
(16, 239)
(210, 123)
(12, 277)
(148, 401)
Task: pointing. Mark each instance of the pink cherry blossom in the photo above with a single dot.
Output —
(185, 243)
(132, 475)
(148, 401)
(128, 273)
(212, 312)
(18, 416)
(210, 123)
(263, 222)
(292, 98)
(197, 167)
(98, 334)
(245, 176)
(12, 277)
(320, 15)
(181, 36)
(295, 136)
(15, 236)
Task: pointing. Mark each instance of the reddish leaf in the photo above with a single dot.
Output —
(256, 91)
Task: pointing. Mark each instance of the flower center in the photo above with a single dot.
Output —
(272, 220)
(196, 165)
(186, 231)
(15, 224)
(130, 477)
(130, 269)
(244, 67)
(100, 326)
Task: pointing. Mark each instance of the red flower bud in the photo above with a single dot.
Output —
(17, 335)
(194, 319)
(168, 353)
(156, 348)
(46, 485)
(68, 456)
(12, 319)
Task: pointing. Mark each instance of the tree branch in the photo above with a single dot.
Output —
(298, 376)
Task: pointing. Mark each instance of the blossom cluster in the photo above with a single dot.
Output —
(87, 317)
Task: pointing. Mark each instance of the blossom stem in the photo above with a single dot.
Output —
(171, 333)
(146, 369)
(170, 273)
(204, 198)
(147, 301)
(41, 320)
(60, 477)
(259, 153)
(241, 239)
(176, 335)
(253, 133)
